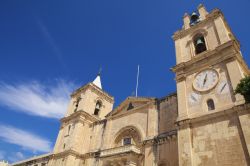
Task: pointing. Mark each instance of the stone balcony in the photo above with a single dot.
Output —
(121, 150)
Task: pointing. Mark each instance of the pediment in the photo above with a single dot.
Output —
(130, 104)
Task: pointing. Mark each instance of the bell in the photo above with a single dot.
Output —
(98, 106)
(194, 19)
(199, 42)
(200, 46)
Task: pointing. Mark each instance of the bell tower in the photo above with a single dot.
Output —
(209, 65)
(88, 104)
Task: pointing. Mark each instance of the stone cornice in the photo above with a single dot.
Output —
(120, 151)
(103, 121)
(36, 158)
(183, 32)
(76, 154)
(80, 116)
(95, 89)
(200, 57)
(174, 94)
(162, 138)
(93, 154)
(67, 153)
(240, 109)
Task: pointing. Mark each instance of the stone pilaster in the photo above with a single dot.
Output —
(185, 145)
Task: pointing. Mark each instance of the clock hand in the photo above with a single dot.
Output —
(193, 97)
(205, 80)
(223, 87)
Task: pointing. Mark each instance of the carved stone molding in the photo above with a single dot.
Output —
(80, 116)
(94, 89)
(120, 150)
(236, 110)
(162, 138)
(145, 103)
(66, 153)
(214, 57)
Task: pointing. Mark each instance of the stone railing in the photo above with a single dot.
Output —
(120, 150)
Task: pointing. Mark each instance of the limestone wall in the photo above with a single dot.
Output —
(217, 142)
(168, 114)
(214, 142)
(168, 153)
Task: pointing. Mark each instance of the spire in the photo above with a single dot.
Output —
(97, 80)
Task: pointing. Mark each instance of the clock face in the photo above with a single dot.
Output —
(206, 80)
(194, 98)
(223, 88)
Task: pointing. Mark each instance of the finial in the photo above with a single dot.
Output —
(202, 11)
(186, 14)
(200, 5)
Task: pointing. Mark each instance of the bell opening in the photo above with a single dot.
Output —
(97, 108)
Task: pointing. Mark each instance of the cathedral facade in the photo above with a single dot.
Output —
(203, 124)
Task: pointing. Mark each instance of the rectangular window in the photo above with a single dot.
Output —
(126, 141)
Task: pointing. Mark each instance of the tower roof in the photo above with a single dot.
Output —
(97, 81)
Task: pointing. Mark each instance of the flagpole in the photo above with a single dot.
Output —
(137, 80)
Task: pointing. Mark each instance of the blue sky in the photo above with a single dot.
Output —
(49, 48)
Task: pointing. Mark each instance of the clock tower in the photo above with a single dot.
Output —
(209, 67)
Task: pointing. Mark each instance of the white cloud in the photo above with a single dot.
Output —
(25, 139)
(38, 99)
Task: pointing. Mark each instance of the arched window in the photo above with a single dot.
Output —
(199, 44)
(97, 107)
(210, 105)
(127, 136)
